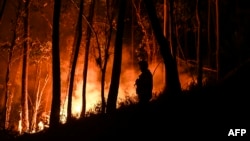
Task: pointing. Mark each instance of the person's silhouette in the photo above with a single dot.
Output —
(144, 84)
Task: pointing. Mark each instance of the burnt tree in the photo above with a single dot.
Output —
(24, 91)
(116, 70)
(56, 87)
(172, 85)
(85, 67)
(76, 48)
(198, 46)
(217, 34)
(8, 93)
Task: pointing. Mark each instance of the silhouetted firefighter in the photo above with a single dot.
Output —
(144, 84)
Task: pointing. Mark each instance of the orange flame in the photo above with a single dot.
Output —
(40, 126)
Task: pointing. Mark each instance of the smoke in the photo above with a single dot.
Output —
(129, 73)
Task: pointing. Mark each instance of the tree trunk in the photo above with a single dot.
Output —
(217, 34)
(76, 46)
(8, 108)
(106, 53)
(86, 59)
(172, 85)
(34, 115)
(116, 70)
(165, 25)
(25, 108)
(170, 30)
(7, 79)
(173, 30)
(2, 9)
(8, 92)
(35, 103)
(103, 71)
(16, 77)
(208, 33)
(38, 97)
(198, 47)
(56, 88)
(7, 89)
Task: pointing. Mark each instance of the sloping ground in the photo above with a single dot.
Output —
(174, 120)
(210, 112)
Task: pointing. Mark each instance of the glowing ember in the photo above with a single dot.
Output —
(20, 123)
(40, 126)
(77, 110)
(63, 117)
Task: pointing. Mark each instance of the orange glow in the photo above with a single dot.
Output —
(40, 126)
(129, 73)
(126, 89)
(20, 124)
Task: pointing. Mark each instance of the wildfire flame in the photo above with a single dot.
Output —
(40, 126)
(20, 126)
(126, 88)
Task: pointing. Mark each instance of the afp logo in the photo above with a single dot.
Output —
(237, 132)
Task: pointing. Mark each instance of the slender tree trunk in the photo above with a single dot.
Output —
(172, 85)
(35, 111)
(25, 108)
(104, 60)
(7, 88)
(3, 3)
(38, 96)
(103, 70)
(208, 33)
(8, 92)
(106, 53)
(8, 107)
(165, 24)
(56, 88)
(179, 50)
(35, 103)
(186, 41)
(86, 59)
(132, 34)
(7, 79)
(35, 108)
(76, 46)
(170, 30)
(116, 71)
(173, 30)
(217, 33)
(198, 47)
(12, 91)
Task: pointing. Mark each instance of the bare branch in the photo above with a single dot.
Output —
(90, 26)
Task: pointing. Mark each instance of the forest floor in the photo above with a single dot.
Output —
(207, 113)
